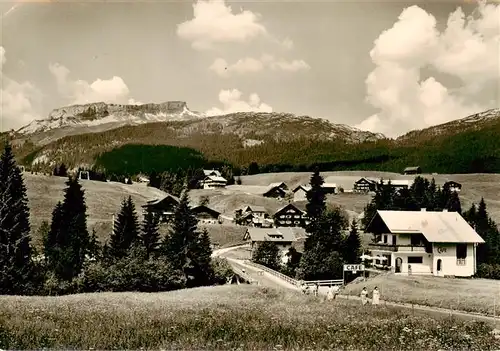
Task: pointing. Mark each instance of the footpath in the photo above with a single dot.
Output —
(265, 278)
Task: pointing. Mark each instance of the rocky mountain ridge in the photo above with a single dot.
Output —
(100, 116)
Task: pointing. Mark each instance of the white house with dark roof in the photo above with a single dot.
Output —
(425, 242)
(213, 179)
(256, 216)
(283, 237)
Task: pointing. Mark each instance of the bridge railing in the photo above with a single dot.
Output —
(295, 282)
(275, 273)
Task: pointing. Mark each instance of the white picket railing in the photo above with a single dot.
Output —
(295, 282)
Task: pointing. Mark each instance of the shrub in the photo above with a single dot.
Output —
(488, 271)
(222, 271)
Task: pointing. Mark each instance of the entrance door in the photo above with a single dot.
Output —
(439, 267)
(399, 263)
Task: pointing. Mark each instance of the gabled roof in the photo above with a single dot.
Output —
(412, 168)
(305, 187)
(157, 201)
(278, 184)
(437, 227)
(210, 171)
(280, 234)
(367, 180)
(203, 208)
(396, 182)
(216, 179)
(274, 188)
(296, 206)
(329, 185)
(253, 208)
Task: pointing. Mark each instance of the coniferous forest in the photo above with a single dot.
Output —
(136, 257)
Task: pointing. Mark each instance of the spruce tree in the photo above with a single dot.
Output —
(68, 240)
(126, 230)
(95, 249)
(16, 265)
(453, 204)
(352, 246)
(315, 200)
(150, 236)
(200, 254)
(267, 254)
(182, 232)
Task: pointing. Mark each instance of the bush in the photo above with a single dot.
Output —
(488, 271)
(222, 271)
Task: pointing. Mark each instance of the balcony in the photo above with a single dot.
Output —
(397, 248)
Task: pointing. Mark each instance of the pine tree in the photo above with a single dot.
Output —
(315, 207)
(16, 265)
(95, 249)
(68, 241)
(200, 255)
(182, 232)
(125, 231)
(150, 236)
(267, 254)
(453, 204)
(352, 246)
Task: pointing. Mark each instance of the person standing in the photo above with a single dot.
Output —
(316, 289)
(364, 296)
(335, 291)
(375, 296)
(329, 294)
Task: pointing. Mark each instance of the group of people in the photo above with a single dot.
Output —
(333, 291)
(375, 296)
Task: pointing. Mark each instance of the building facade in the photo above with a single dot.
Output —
(163, 208)
(290, 216)
(424, 242)
(283, 238)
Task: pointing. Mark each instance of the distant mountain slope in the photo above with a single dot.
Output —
(99, 116)
(474, 122)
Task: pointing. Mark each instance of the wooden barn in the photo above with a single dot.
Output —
(206, 215)
(164, 208)
(412, 170)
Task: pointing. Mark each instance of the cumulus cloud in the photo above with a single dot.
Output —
(214, 23)
(113, 90)
(467, 49)
(232, 102)
(253, 65)
(18, 101)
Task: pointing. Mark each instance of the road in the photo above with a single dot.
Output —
(269, 280)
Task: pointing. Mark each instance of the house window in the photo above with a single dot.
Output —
(416, 240)
(461, 251)
(415, 259)
(385, 239)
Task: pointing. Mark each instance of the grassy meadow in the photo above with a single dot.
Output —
(225, 317)
(470, 295)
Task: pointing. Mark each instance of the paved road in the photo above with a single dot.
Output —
(267, 279)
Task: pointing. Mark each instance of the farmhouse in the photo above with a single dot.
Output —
(364, 185)
(424, 242)
(255, 216)
(206, 215)
(276, 190)
(412, 170)
(282, 237)
(395, 183)
(164, 208)
(213, 179)
(452, 186)
(290, 216)
(300, 192)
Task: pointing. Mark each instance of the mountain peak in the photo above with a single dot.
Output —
(104, 116)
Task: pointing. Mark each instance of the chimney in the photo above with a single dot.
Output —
(445, 210)
(423, 209)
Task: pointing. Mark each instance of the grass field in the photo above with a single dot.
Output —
(471, 295)
(240, 317)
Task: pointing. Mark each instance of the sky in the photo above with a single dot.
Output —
(388, 66)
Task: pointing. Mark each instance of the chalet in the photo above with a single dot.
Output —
(164, 208)
(395, 183)
(412, 170)
(283, 237)
(290, 216)
(424, 242)
(452, 186)
(255, 216)
(300, 192)
(213, 179)
(276, 190)
(364, 185)
(206, 215)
